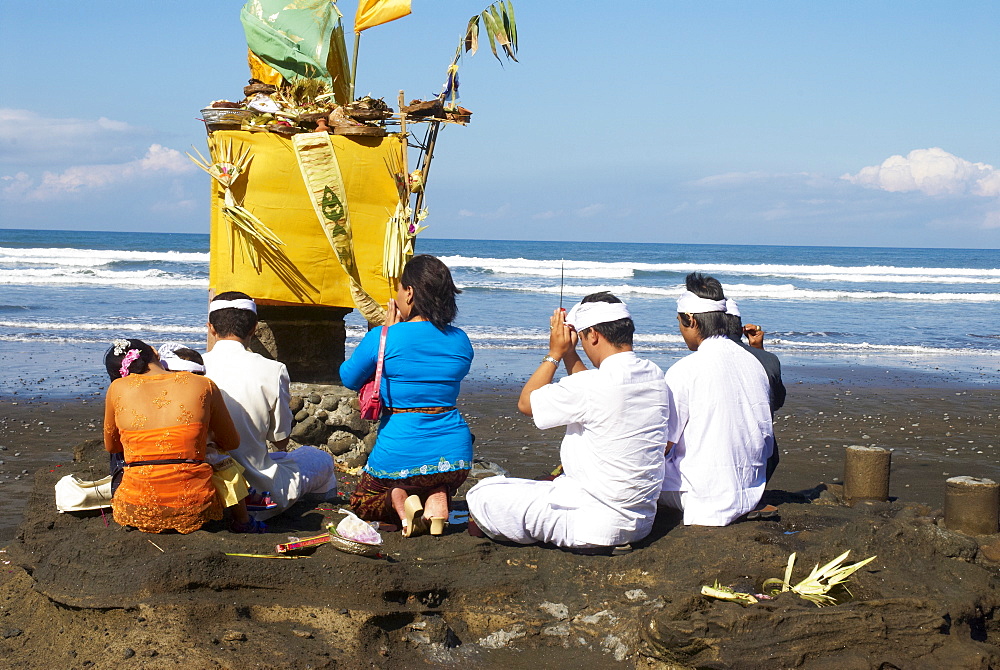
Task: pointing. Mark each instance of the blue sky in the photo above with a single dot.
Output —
(835, 123)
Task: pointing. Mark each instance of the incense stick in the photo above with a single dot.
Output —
(562, 281)
(265, 556)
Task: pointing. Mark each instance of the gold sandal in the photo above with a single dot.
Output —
(437, 524)
(413, 521)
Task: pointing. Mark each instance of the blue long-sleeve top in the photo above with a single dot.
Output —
(423, 367)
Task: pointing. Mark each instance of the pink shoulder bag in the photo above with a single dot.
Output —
(369, 397)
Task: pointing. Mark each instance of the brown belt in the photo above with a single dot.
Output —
(419, 410)
(165, 461)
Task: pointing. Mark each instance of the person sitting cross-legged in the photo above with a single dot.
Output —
(256, 391)
(720, 434)
(613, 451)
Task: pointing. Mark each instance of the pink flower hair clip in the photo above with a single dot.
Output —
(127, 361)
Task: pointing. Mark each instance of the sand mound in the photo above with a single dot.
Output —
(78, 592)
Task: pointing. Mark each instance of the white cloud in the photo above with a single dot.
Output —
(15, 186)
(501, 212)
(159, 161)
(546, 215)
(29, 139)
(931, 171)
(175, 206)
(590, 210)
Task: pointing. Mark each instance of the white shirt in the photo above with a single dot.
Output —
(256, 393)
(612, 454)
(720, 424)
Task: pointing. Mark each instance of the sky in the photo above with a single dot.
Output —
(724, 122)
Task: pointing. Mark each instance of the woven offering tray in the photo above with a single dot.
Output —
(216, 116)
(353, 547)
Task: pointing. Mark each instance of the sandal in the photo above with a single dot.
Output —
(762, 513)
(252, 526)
(258, 502)
(413, 521)
(438, 524)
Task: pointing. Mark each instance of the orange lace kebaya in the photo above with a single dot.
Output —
(161, 423)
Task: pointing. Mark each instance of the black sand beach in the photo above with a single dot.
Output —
(936, 427)
(122, 599)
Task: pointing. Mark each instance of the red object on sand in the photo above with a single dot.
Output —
(304, 543)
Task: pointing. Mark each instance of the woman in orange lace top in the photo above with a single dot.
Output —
(161, 421)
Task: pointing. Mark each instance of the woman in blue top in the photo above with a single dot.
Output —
(424, 448)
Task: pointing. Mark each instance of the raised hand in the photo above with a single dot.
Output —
(755, 335)
(562, 338)
(392, 313)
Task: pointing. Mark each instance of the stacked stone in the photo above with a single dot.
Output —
(327, 416)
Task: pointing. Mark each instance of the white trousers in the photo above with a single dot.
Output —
(521, 511)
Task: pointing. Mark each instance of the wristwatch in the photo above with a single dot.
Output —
(554, 361)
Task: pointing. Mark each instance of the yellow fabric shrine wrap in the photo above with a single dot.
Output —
(325, 186)
(308, 271)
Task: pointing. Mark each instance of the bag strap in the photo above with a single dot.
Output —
(378, 366)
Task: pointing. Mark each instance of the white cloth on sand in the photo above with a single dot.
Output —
(256, 393)
(720, 424)
(612, 457)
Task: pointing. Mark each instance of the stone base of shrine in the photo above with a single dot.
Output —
(308, 339)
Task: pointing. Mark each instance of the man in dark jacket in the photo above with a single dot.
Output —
(770, 362)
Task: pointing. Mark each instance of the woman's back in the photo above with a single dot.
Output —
(154, 418)
(145, 402)
(424, 366)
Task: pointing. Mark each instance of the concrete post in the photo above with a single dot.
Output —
(866, 474)
(971, 505)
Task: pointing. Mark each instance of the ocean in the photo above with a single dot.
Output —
(66, 295)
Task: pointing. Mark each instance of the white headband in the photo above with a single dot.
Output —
(587, 314)
(239, 303)
(178, 364)
(168, 348)
(689, 303)
(732, 307)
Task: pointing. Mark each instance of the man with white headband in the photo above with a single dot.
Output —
(612, 455)
(257, 395)
(720, 431)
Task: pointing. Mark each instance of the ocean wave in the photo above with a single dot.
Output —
(619, 270)
(116, 327)
(742, 291)
(133, 279)
(51, 339)
(94, 257)
(865, 347)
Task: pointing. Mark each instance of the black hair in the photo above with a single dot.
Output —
(433, 290)
(618, 333)
(710, 324)
(186, 354)
(113, 361)
(231, 321)
(734, 327)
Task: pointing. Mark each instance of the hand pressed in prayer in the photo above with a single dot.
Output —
(755, 335)
(392, 313)
(562, 337)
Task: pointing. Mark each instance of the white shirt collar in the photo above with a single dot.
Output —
(231, 345)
